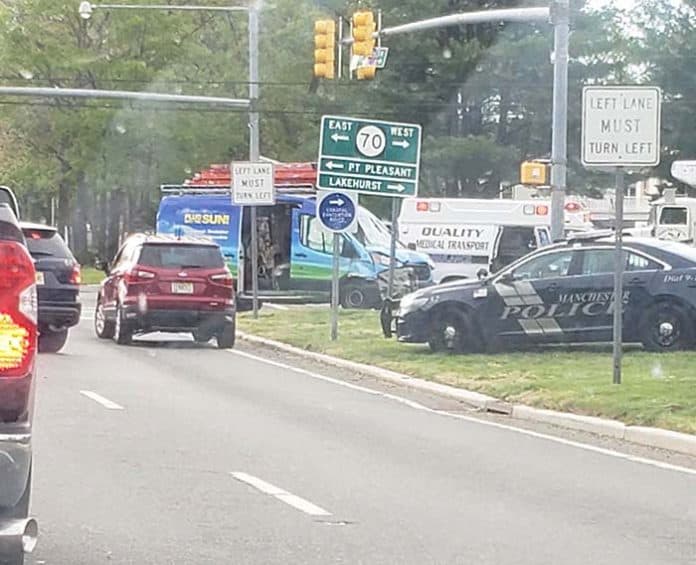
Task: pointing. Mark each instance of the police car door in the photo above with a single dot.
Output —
(527, 298)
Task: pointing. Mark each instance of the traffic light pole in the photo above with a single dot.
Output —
(254, 142)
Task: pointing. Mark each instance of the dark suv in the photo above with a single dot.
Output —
(163, 283)
(58, 281)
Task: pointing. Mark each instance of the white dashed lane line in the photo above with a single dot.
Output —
(99, 399)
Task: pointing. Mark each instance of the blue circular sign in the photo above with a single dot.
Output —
(336, 211)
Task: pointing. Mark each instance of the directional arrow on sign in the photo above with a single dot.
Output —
(396, 187)
(338, 137)
(402, 143)
(331, 165)
(337, 202)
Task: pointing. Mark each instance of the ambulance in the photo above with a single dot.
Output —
(465, 236)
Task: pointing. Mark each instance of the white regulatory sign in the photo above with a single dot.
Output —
(621, 126)
(252, 184)
(684, 171)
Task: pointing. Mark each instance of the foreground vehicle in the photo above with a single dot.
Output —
(58, 285)
(18, 335)
(563, 293)
(163, 283)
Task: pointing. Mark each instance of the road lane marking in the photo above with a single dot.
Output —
(276, 306)
(282, 495)
(470, 419)
(105, 402)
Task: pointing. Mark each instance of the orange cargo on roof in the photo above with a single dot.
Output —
(286, 174)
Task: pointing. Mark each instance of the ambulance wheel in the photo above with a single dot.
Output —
(665, 327)
(452, 331)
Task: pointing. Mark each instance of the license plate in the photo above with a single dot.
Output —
(182, 288)
(40, 278)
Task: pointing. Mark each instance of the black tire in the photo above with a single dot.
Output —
(452, 331)
(356, 295)
(227, 337)
(123, 333)
(665, 326)
(103, 327)
(20, 511)
(52, 342)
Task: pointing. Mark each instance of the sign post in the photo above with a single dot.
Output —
(371, 157)
(620, 131)
(337, 212)
(253, 185)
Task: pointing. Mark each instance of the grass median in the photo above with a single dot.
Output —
(90, 275)
(657, 390)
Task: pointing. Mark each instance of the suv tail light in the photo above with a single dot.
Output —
(18, 310)
(76, 275)
(138, 275)
(224, 279)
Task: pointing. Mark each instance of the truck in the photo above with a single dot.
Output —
(295, 253)
(465, 236)
(18, 348)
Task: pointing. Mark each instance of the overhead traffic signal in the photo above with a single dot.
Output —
(363, 28)
(324, 48)
(534, 173)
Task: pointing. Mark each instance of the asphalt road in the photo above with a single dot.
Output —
(181, 454)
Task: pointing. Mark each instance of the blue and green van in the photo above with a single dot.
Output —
(295, 253)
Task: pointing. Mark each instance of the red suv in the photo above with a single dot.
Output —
(163, 283)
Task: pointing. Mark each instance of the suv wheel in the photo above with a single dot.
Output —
(226, 337)
(102, 327)
(123, 334)
(51, 341)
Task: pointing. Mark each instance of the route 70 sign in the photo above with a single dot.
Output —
(369, 156)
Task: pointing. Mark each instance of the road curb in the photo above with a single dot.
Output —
(648, 437)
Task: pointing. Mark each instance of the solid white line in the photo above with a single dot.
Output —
(105, 402)
(481, 422)
(282, 495)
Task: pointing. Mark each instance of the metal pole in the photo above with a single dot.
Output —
(618, 277)
(335, 287)
(254, 151)
(392, 249)
(559, 142)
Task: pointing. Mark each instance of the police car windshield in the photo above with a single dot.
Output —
(372, 231)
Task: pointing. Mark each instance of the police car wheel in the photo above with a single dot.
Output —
(451, 332)
(665, 328)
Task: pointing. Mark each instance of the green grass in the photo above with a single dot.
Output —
(90, 275)
(658, 390)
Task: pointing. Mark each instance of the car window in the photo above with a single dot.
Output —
(46, 243)
(673, 216)
(314, 237)
(545, 266)
(180, 256)
(601, 261)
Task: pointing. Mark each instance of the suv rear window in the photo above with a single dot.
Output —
(179, 255)
(46, 243)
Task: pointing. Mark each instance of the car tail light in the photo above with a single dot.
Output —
(138, 275)
(18, 310)
(422, 206)
(572, 207)
(76, 275)
(224, 279)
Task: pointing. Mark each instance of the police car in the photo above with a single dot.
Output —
(561, 293)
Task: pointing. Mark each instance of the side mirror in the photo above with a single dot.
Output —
(482, 274)
(411, 246)
(102, 265)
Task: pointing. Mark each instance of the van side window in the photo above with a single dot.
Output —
(673, 216)
(314, 237)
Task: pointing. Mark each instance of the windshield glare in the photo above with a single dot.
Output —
(372, 231)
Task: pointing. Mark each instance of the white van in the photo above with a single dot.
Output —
(464, 235)
(674, 218)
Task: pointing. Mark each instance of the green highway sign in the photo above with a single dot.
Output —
(369, 156)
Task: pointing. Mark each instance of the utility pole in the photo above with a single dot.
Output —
(254, 149)
(560, 17)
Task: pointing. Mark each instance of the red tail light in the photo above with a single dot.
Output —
(18, 309)
(137, 275)
(224, 279)
(76, 275)
(572, 207)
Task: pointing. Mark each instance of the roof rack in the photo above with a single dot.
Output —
(595, 234)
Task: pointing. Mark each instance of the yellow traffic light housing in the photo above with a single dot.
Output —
(324, 48)
(534, 173)
(363, 28)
